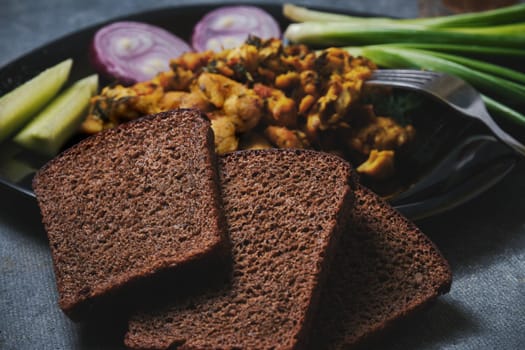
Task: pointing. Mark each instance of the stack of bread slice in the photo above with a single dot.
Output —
(266, 249)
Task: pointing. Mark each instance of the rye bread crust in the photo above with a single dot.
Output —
(128, 204)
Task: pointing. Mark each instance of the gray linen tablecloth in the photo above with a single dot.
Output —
(484, 240)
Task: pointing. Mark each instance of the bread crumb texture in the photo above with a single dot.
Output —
(384, 268)
(282, 208)
(128, 202)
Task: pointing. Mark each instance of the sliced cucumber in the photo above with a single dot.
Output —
(52, 127)
(19, 105)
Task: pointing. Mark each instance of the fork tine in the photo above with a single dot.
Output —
(402, 74)
(415, 82)
(416, 72)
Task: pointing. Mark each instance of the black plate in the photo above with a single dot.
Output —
(470, 165)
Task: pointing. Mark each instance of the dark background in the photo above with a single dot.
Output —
(484, 240)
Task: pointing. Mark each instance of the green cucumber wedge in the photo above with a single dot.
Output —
(52, 127)
(21, 104)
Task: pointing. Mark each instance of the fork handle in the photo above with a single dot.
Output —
(502, 135)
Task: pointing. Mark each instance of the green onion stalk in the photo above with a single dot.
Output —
(345, 33)
(505, 15)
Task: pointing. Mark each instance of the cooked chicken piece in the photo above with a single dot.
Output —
(281, 109)
(166, 80)
(224, 130)
(182, 99)
(338, 61)
(185, 67)
(245, 110)
(298, 57)
(118, 104)
(283, 137)
(92, 124)
(313, 123)
(358, 72)
(244, 61)
(334, 105)
(149, 95)
(381, 133)
(305, 104)
(235, 100)
(182, 79)
(332, 61)
(379, 165)
(287, 80)
(270, 55)
(192, 61)
(309, 81)
(215, 87)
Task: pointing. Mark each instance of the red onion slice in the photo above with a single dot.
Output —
(134, 51)
(229, 26)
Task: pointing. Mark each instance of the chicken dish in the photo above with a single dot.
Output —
(266, 94)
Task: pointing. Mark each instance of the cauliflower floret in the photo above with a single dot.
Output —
(379, 165)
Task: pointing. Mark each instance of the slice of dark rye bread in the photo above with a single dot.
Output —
(284, 210)
(385, 268)
(128, 204)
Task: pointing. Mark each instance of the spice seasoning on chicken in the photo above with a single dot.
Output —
(265, 94)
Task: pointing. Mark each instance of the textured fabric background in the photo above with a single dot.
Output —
(484, 240)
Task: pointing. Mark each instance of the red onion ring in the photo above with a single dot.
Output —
(229, 26)
(132, 51)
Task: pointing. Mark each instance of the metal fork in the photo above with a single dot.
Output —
(448, 89)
